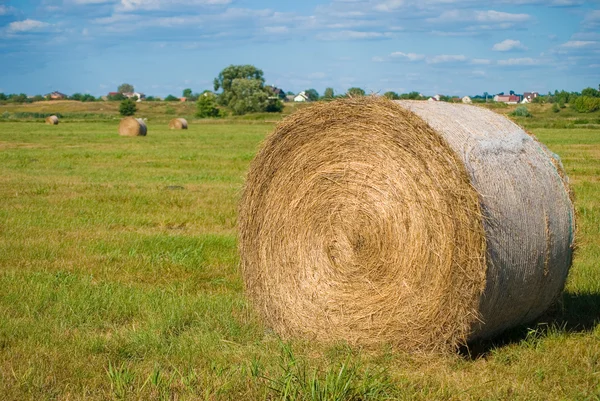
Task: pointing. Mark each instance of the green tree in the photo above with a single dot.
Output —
(247, 96)
(590, 92)
(243, 90)
(206, 106)
(312, 94)
(75, 96)
(38, 98)
(355, 92)
(87, 98)
(328, 94)
(187, 93)
(127, 107)
(125, 88)
(391, 95)
(555, 108)
(229, 74)
(586, 104)
(171, 98)
(116, 97)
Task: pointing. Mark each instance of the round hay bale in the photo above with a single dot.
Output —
(178, 123)
(421, 224)
(130, 126)
(52, 120)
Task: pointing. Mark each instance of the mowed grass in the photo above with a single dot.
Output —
(119, 280)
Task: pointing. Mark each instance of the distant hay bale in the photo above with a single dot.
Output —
(178, 123)
(52, 120)
(130, 126)
(420, 224)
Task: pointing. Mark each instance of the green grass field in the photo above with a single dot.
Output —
(119, 280)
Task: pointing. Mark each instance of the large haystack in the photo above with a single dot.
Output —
(52, 120)
(178, 123)
(130, 126)
(420, 224)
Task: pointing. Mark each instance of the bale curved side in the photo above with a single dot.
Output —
(178, 123)
(529, 217)
(130, 126)
(359, 223)
(52, 120)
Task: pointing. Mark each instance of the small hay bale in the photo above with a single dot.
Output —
(52, 120)
(420, 224)
(178, 123)
(130, 126)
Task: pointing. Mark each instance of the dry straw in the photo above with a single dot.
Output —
(178, 123)
(52, 120)
(418, 224)
(130, 126)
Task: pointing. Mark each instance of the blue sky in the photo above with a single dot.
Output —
(452, 47)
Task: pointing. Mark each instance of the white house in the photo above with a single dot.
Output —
(466, 100)
(301, 97)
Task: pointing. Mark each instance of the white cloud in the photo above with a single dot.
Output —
(389, 5)
(446, 58)
(498, 17)
(509, 44)
(353, 35)
(4, 10)
(85, 2)
(132, 5)
(276, 29)
(577, 44)
(481, 61)
(518, 61)
(409, 56)
(28, 25)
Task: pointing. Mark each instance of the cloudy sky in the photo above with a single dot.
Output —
(452, 47)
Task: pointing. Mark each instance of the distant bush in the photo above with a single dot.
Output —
(171, 98)
(127, 107)
(521, 111)
(206, 107)
(586, 104)
(555, 108)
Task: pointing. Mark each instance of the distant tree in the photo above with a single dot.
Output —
(328, 94)
(555, 108)
(187, 93)
(289, 93)
(116, 97)
(355, 92)
(20, 98)
(229, 74)
(411, 96)
(312, 94)
(171, 98)
(150, 99)
(3, 97)
(586, 104)
(87, 98)
(125, 88)
(38, 98)
(243, 90)
(127, 107)
(511, 93)
(486, 95)
(206, 106)
(391, 95)
(590, 92)
(75, 96)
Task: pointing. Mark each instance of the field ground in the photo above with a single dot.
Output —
(119, 280)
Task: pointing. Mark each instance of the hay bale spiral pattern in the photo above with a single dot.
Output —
(360, 222)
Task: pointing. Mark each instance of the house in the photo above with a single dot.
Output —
(183, 99)
(276, 92)
(301, 97)
(529, 96)
(508, 99)
(57, 96)
(129, 95)
(432, 99)
(466, 100)
(437, 97)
